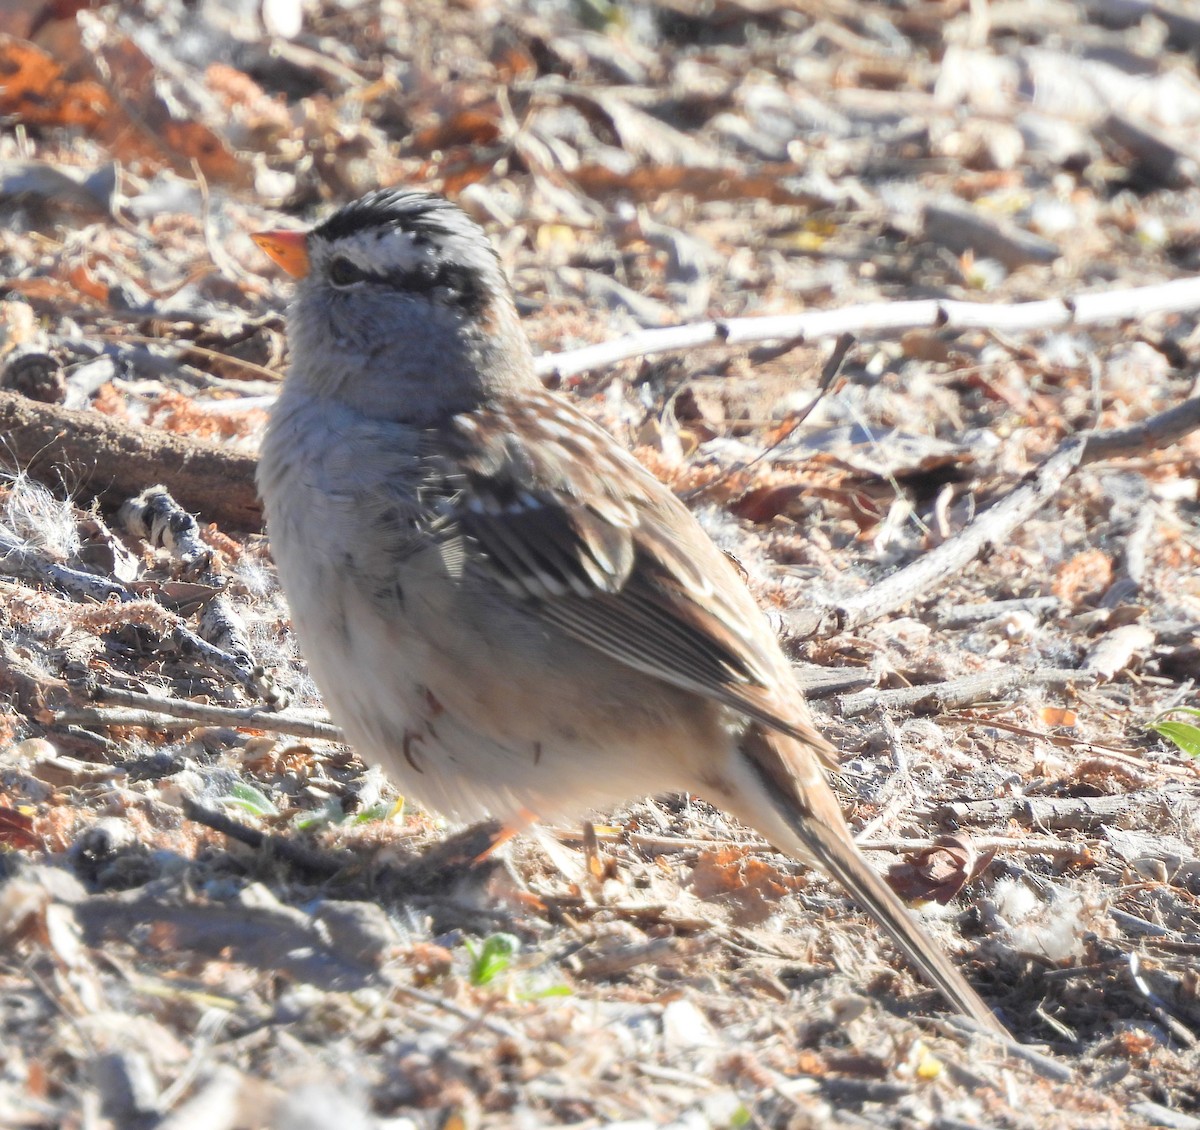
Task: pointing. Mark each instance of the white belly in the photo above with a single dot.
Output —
(471, 706)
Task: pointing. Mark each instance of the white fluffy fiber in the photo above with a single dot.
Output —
(1053, 929)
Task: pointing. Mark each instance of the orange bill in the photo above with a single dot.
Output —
(288, 248)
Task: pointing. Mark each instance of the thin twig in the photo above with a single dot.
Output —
(478, 1019)
(983, 686)
(1156, 1004)
(1132, 924)
(1080, 814)
(1187, 768)
(963, 615)
(1019, 845)
(1044, 1065)
(995, 524)
(224, 262)
(1151, 434)
(646, 842)
(205, 713)
(319, 863)
(114, 602)
(184, 345)
(832, 367)
(1024, 845)
(87, 716)
(885, 319)
(991, 528)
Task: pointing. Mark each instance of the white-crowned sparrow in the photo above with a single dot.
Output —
(500, 605)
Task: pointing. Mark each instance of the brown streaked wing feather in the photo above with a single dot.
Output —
(608, 555)
(656, 637)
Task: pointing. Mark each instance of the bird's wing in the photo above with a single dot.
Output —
(563, 518)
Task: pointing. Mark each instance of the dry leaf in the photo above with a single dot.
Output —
(16, 829)
(937, 874)
(1084, 578)
(87, 284)
(474, 126)
(747, 882)
(1117, 650)
(167, 117)
(649, 182)
(34, 90)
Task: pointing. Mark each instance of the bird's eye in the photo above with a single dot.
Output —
(342, 272)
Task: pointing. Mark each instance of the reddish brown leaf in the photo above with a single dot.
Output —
(513, 61)
(1084, 578)
(474, 126)
(33, 89)
(458, 174)
(86, 283)
(16, 829)
(43, 291)
(762, 504)
(156, 106)
(937, 874)
(747, 882)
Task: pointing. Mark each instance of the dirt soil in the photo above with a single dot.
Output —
(212, 915)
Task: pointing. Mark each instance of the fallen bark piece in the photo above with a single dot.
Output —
(1116, 650)
(962, 228)
(98, 455)
(1158, 1115)
(621, 959)
(939, 697)
(1056, 813)
(1146, 151)
(66, 772)
(268, 935)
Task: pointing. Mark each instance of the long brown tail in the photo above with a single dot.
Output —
(809, 810)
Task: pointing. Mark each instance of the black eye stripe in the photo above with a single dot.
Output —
(458, 286)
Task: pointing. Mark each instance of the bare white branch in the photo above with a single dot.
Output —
(885, 319)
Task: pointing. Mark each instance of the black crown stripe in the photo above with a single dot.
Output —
(409, 209)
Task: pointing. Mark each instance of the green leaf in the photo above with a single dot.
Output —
(253, 800)
(493, 958)
(330, 812)
(384, 810)
(543, 994)
(1182, 734)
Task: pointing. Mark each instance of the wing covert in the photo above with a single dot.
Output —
(559, 515)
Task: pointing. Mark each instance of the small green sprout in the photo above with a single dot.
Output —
(331, 812)
(492, 958)
(1185, 735)
(253, 800)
